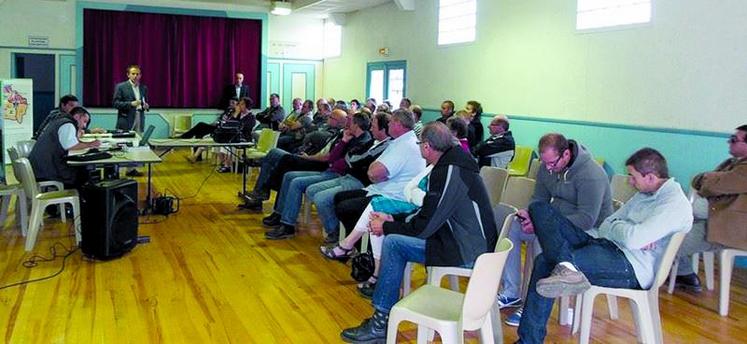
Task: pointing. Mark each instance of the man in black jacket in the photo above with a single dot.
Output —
(453, 227)
(498, 149)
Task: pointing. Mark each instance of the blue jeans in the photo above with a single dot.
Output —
(268, 165)
(511, 280)
(396, 252)
(288, 200)
(323, 195)
(603, 263)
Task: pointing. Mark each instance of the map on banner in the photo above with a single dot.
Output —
(16, 105)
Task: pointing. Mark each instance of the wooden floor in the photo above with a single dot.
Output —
(209, 276)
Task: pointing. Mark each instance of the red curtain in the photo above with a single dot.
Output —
(186, 61)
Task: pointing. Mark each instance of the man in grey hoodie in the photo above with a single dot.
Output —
(577, 191)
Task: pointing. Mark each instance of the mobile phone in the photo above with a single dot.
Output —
(521, 218)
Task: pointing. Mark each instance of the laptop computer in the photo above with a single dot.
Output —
(146, 136)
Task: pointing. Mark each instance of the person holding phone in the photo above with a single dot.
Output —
(578, 191)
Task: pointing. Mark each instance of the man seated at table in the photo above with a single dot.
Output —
(58, 138)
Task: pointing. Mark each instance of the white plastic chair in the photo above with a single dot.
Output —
(644, 303)
(726, 258)
(364, 238)
(502, 213)
(495, 180)
(40, 200)
(451, 313)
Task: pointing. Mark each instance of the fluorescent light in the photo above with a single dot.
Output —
(281, 8)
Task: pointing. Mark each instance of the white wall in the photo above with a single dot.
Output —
(685, 70)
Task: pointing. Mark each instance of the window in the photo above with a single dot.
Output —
(457, 20)
(387, 81)
(332, 39)
(593, 14)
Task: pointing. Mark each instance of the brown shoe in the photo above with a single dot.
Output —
(563, 282)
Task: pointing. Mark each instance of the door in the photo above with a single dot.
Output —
(41, 69)
(387, 81)
(298, 82)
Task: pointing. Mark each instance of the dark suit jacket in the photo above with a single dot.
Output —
(230, 92)
(123, 96)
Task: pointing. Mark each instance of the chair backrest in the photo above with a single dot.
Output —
(495, 181)
(483, 285)
(534, 168)
(25, 147)
(518, 192)
(13, 153)
(522, 158)
(25, 175)
(621, 190)
(504, 215)
(667, 259)
(268, 139)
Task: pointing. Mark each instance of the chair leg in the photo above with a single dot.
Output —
(563, 310)
(306, 209)
(22, 209)
(425, 334)
(364, 242)
(587, 310)
(63, 217)
(454, 282)
(673, 275)
(391, 331)
(727, 262)
(35, 223)
(452, 335)
(646, 321)
(76, 220)
(694, 261)
(486, 331)
(708, 258)
(612, 306)
(577, 314)
(653, 303)
(407, 279)
(4, 208)
(635, 310)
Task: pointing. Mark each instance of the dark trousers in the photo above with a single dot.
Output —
(198, 131)
(288, 142)
(293, 163)
(349, 206)
(603, 263)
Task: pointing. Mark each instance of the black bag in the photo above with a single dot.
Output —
(362, 266)
(228, 132)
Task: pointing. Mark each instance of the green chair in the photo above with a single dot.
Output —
(519, 166)
(450, 313)
(268, 139)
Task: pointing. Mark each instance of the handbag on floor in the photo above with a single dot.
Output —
(362, 266)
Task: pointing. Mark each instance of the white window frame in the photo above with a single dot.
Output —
(439, 23)
(616, 27)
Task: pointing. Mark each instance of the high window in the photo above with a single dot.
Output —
(594, 14)
(457, 21)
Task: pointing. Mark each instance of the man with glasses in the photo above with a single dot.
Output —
(498, 149)
(720, 210)
(575, 191)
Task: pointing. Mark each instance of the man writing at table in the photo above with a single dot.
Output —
(129, 100)
(58, 138)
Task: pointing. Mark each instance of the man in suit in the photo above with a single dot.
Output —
(236, 90)
(130, 101)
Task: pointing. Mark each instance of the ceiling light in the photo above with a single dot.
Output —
(281, 8)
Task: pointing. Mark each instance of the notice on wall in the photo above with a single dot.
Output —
(16, 108)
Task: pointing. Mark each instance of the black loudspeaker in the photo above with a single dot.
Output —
(109, 218)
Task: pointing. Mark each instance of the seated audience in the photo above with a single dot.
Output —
(405, 104)
(245, 117)
(67, 103)
(278, 161)
(355, 177)
(389, 174)
(498, 149)
(455, 235)
(720, 210)
(272, 115)
(371, 104)
(575, 187)
(623, 253)
(60, 136)
(295, 126)
(355, 140)
(203, 129)
(474, 129)
(417, 113)
(459, 129)
(447, 110)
